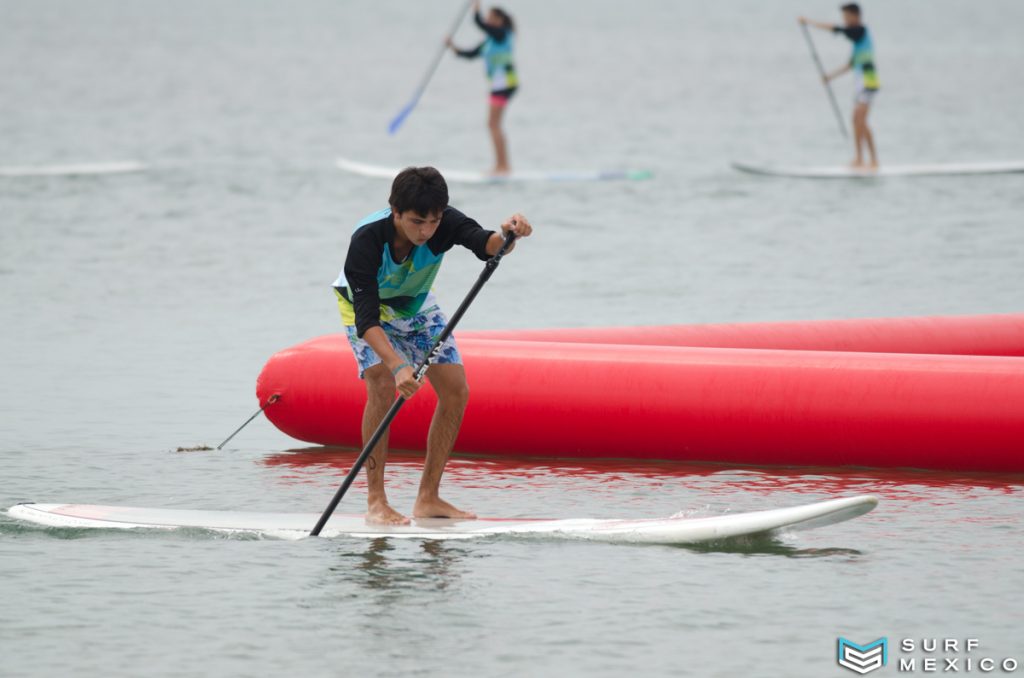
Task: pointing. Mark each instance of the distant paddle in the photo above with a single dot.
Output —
(421, 370)
(404, 113)
(828, 87)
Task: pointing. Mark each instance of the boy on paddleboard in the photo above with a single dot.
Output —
(496, 50)
(862, 62)
(392, 318)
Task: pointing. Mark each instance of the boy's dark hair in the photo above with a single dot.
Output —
(506, 19)
(852, 8)
(421, 189)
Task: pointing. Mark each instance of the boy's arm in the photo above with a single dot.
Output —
(362, 283)
(817, 24)
(403, 372)
(517, 224)
(381, 345)
(361, 263)
(497, 34)
(484, 243)
(839, 71)
(468, 233)
(364, 253)
(466, 53)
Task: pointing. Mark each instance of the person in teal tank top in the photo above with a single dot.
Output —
(497, 52)
(862, 63)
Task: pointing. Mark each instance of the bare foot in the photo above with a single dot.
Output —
(857, 164)
(873, 165)
(381, 513)
(438, 508)
(500, 172)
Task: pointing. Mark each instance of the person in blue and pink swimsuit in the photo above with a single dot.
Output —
(496, 50)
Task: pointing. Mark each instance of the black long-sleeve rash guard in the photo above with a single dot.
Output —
(378, 287)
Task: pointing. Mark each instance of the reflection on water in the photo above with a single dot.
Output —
(768, 545)
(496, 472)
(395, 565)
(11, 527)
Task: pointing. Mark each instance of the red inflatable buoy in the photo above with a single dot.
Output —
(1001, 334)
(739, 405)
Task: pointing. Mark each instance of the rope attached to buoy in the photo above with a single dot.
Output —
(270, 401)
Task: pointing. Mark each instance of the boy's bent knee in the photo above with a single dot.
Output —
(380, 384)
(455, 394)
(451, 386)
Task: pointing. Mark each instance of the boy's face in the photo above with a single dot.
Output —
(851, 18)
(419, 228)
(494, 19)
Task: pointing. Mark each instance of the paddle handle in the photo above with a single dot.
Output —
(828, 87)
(420, 371)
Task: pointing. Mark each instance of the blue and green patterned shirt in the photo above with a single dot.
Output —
(863, 57)
(373, 286)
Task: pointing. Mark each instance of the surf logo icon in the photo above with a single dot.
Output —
(863, 658)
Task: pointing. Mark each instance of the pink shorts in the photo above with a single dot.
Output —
(500, 98)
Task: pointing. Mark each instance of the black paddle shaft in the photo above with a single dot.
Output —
(828, 87)
(420, 371)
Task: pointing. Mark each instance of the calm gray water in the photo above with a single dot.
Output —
(138, 309)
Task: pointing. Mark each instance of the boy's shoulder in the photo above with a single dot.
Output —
(373, 228)
(376, 219)
(452, 214)
(854, 33)
(453, 223)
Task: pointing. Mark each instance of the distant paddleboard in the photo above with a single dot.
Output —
(676, 530)
(78, 169)
(845, 172)
(470, 177)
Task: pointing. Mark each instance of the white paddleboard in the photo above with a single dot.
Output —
(470, 177)
(675, 530)
(845, 172)
(78, 169)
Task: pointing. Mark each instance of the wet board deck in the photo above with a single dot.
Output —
(78, 169)
(471, 177)
(845, 172)
(675, 530)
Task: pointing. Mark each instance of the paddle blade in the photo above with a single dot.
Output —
(397, 121)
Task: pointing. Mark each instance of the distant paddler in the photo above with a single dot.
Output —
(862, 62)
(496, 49)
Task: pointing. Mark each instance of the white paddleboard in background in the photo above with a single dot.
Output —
(675, 530)
(470, 177)
(77, 169)
(845, 172)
